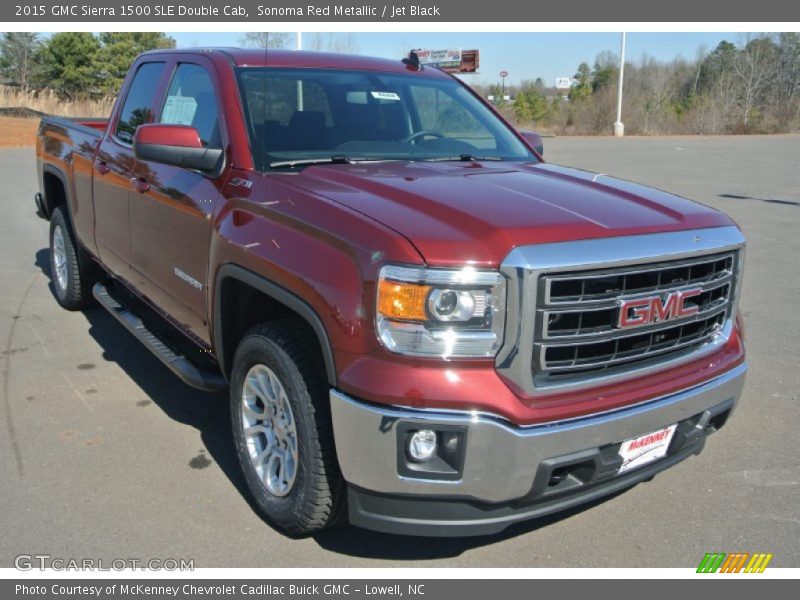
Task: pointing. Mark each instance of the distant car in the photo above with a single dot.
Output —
(422, 326)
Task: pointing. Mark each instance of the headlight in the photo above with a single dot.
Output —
(441, 312)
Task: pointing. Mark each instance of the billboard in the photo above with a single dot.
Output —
(564, 83)
(453, 60)
(441, 59)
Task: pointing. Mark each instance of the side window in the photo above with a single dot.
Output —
(138, 107)
(191, 101)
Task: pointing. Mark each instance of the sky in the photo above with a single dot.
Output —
(524, 55)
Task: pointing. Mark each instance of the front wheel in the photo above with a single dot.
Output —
(282, 430)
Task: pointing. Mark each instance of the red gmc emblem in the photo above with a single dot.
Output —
(643, 311)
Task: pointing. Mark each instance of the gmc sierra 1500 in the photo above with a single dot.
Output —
(422, 325)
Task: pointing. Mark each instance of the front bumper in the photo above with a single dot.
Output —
(503, 473)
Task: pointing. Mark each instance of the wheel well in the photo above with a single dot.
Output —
(242, 306)
(54, 192)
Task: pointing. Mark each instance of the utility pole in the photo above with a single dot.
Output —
(619, 128)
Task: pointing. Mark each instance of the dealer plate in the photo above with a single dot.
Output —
(645, 449)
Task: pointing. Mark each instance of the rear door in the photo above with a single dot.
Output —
(171, 214)
(113, 167)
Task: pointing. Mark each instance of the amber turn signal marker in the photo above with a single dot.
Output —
(402, 300)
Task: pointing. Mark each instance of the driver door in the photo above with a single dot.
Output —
(172, 210)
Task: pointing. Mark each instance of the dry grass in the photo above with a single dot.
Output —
(15, 132)
(46, 101)
(18, 130)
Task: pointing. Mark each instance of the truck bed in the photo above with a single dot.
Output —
(65, 149)
(89, 125)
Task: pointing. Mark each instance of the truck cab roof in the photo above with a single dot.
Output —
(259, 57)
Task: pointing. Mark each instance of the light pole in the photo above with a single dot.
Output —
(300, 81)
(619, 128)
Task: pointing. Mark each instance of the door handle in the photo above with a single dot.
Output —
(140, 184)
(102, 166)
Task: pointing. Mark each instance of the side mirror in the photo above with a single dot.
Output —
(535, 140)
(177, 145)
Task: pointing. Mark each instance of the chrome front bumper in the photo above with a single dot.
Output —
(502, 461)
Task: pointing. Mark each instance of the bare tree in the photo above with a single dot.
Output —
(754, 70)
(723, 103)
(700, 56)
(788, 71)
(18, 57)
(267, 39)
(650, 91)
(343, 43)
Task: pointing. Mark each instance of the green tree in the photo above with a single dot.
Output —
(19, 57)
(530, 103)
(582, 88)
(605, 70)
(119, 50)
(717, 63)
(69, 63)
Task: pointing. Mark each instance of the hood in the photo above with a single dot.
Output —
(456, 212)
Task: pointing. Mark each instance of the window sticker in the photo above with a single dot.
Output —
(179, 110)
(385, 96)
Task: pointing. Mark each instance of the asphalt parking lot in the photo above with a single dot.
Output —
(105, 454)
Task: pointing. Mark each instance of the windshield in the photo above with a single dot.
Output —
(305, 116)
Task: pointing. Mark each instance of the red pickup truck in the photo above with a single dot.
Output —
(423, 327)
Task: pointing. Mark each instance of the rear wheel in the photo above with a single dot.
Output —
(73, 274)
(282, 430)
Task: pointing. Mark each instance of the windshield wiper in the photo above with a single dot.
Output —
(462, 158)
(342, 159)
(328, 160)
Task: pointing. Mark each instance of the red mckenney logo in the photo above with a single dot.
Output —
(643, 311)
(649, 439)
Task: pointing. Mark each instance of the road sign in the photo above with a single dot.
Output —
(503, 74)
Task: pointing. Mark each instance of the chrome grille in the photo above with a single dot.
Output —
(598, 286)
(577, 335)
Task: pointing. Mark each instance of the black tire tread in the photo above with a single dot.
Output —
(326, 506)
(81, 274)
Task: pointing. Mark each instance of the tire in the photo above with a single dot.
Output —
(298, 488)
(72, 273)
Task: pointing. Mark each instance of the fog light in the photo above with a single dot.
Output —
(422, 445)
